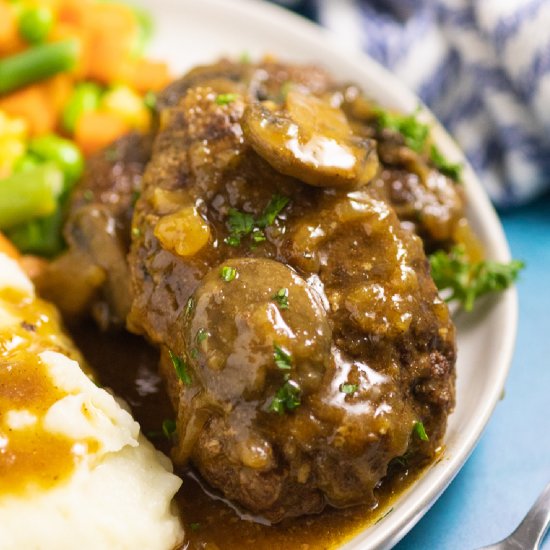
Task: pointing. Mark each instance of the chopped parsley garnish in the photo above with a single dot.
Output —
(194, 353)
(258, 236)
(420, 431)
(275, 206)
(242, 224)
(348, 388)
(466, 280)
(181, 368)
(281, 297)
(228, 273)
(169, 428)
(287, 398)
(225, 99)
(451, 169)
(413, 131)
(283, 360)
(202, 335)
(194, 526)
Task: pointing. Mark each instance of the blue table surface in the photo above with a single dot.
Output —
(511, 463)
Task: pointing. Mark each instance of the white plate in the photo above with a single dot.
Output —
(199, 31)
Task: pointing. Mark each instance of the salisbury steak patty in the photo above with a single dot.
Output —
(304, 343)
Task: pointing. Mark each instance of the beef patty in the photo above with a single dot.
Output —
(303, 341)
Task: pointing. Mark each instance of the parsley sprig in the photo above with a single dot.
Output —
(413, 131)
(242, 224)
(287, 398)
(416, 135)
(467, 280)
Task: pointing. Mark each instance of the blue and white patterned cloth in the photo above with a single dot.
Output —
(482, 66)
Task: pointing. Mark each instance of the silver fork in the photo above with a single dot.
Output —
(530, 532)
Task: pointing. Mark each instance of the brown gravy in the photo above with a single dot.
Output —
(30, 455)
(128, 365)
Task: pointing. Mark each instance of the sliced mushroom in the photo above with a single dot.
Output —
(310, 140)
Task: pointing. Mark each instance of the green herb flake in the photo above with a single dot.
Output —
(414, 132)
(225, 99)
(243, 224)
(281, 297)
(420, 431)
(348, 389)
(465, 280)
(169, 428)
(258, 236)
(202, 335)
(287, 398)
(228, 273)
(181, 368)
(194, 526)
(450, 169)
(240, 224)
(275, 206)
(283, 360)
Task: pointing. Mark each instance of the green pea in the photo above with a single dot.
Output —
(85, 97)
(62, 152)
(27, 162)
(35, 24)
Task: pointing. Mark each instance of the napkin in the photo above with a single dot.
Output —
(482, 66)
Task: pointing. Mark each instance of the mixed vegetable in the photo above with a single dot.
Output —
(73, 78)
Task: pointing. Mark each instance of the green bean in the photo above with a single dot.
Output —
(30, 194)
(35, 24)
(61, 151)
(85, 97)
(37, 63)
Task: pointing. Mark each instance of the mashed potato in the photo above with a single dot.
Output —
(74, 470)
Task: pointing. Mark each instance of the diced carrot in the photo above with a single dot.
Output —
(96, 129)
(58, 90)
(10, 41)
(7, 248)
(73, 11)
(31, 103)
(65, 30)
(113, 30)
(39, 104)
(145, 75)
